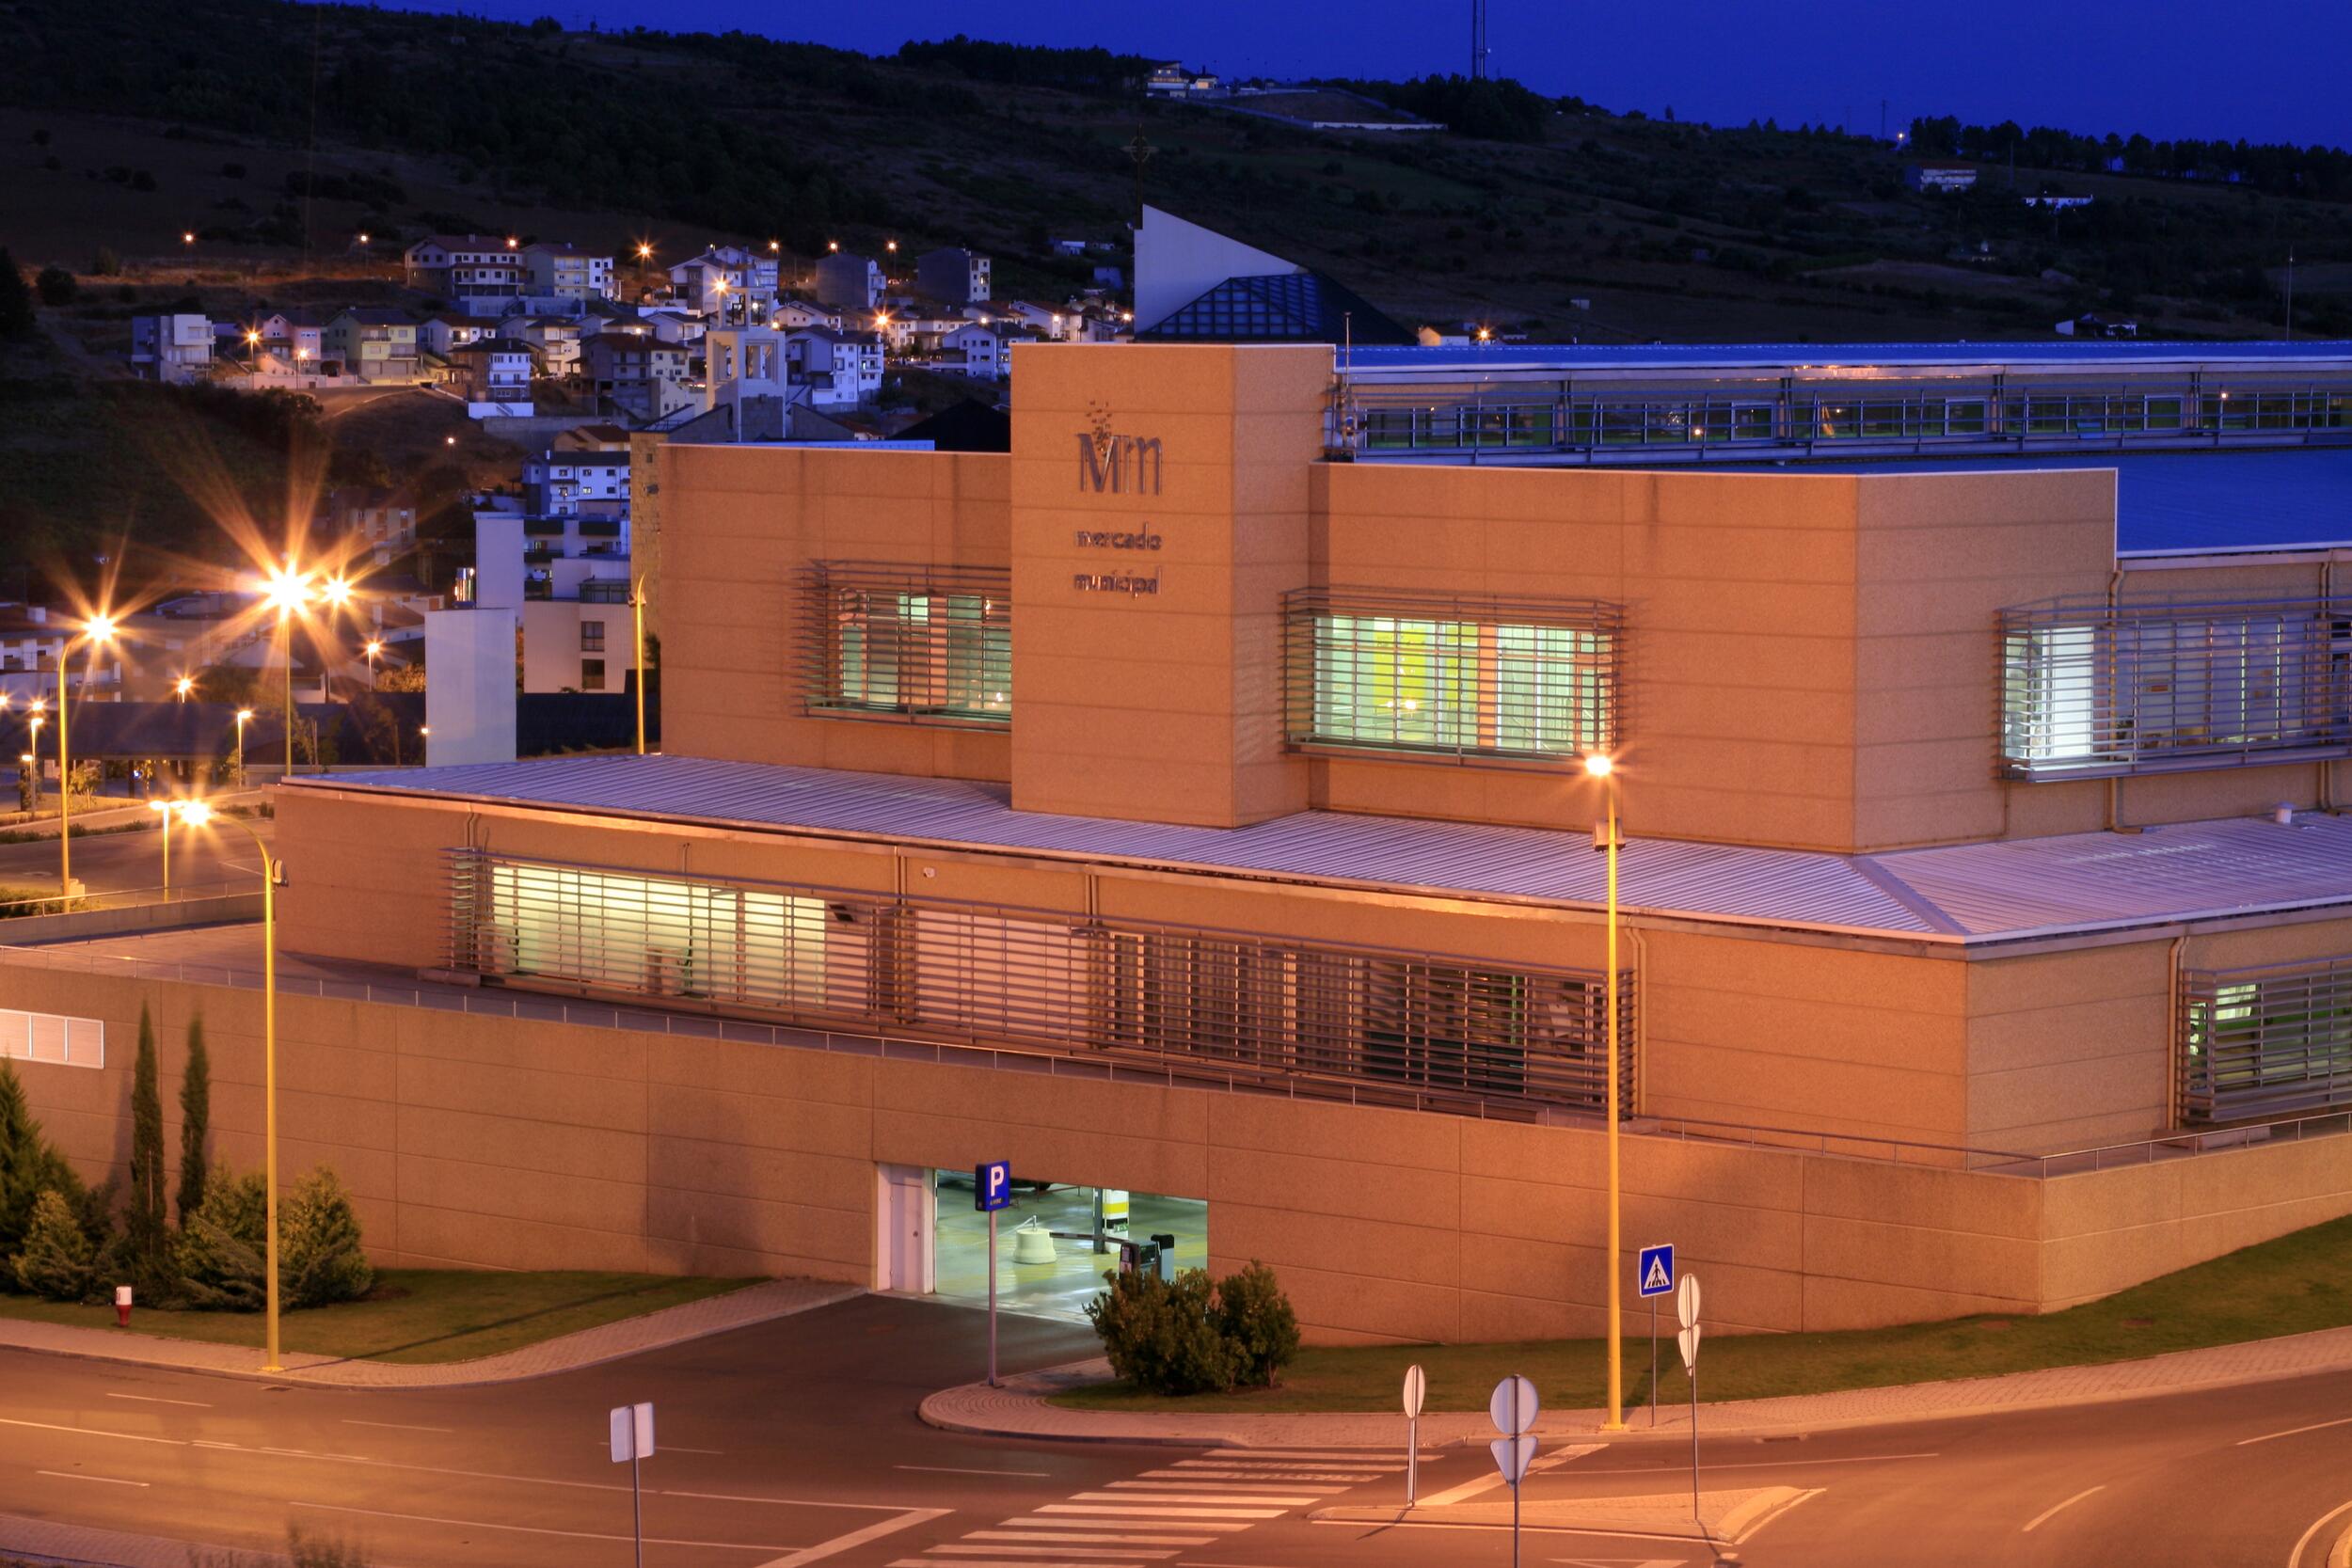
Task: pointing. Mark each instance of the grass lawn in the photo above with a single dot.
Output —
(418, 1315)
(2295, 1284)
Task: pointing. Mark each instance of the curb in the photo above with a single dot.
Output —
(949, 1408)
(394, 1375)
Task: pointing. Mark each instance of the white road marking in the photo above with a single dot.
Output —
(1114, 1536)
(954, 1470)
(402, 1426)
(1128, 1553)
(1021, 1562)
(148, 1399)
(2048, 1513)
(1246, 1491)
(96, 1431)
(70, 1475)
(1759, 1464)
(1279, 1472)
(857, 1537)
(1190, 1499)
(530, 1530)
(1134, 1511)
(2294, 1431)
(1366, 1455)
(2295, 1558)
(1033, 1521)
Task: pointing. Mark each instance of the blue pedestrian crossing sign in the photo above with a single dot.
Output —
(992, 1185)
(1655, 1274)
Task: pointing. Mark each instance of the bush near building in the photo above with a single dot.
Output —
(1187, 1336)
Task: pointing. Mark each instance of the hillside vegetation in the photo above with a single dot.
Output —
(1666, 230)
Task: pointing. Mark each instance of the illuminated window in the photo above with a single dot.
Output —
(927, 649)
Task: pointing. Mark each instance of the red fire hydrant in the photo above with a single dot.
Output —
(122, 1307)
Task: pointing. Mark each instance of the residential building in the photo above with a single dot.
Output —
(447, 332)
(566, 272)
(296, 335)
(725, 277)
(978, 349)
(952, 275)
(789, 312)
(849, 282)
(496, 375)
(468, 268)
(375, 343)
(1933, 176)
(172, 348)
(553, 341)
(637, 373)
(366, 521)
(676, 327)
(838, 368)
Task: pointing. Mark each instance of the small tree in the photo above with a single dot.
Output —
(56, 285)
(56, 1261)
(319, 1259)
(196, 1116)
(147, 1225)
(1257, 1320)
(29, 1165)
(1159, 1335)
(221, 1252)
(16, 299)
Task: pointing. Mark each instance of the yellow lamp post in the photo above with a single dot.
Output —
(196, 814)
(165, 807)
(374, 650)
(637, 611)
(1601, 767)
(97, 632)
(184, 688)
(245, 717)
(288, 591)
(32, 724)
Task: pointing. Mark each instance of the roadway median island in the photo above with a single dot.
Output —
(412, 1316)
(2297, 1284)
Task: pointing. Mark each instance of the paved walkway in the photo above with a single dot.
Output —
(672, 1325)
(1019, 1409)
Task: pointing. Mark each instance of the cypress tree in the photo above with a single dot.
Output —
(146, 1226)
(196, 1116)
(28, 1166)
(16, 299)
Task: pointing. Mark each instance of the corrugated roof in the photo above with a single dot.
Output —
(1400, 363)
(2180, 502)
(1967, 893)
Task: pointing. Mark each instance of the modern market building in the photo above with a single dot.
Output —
(1189, 803)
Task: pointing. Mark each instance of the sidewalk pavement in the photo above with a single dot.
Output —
(672, 1325)
(42, 1541)
(1019, 1408)
(1723, 1519)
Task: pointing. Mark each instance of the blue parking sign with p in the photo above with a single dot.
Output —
(1655, 1274)
(992, 1185)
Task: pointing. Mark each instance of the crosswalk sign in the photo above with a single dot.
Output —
(1655, 1274)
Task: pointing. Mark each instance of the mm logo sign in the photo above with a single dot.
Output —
(1122, 464)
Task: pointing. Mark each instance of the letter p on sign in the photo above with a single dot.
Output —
(992, 1185)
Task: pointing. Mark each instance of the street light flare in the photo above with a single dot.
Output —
(195, 812)
(1599, 765)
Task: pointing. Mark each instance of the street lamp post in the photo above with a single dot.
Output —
(637, 611)
(245, 717)
(196, 814)
(183, 687)
(374, 650)
(165, 807)
(1601, 767)
(97, 633)
(287, 589)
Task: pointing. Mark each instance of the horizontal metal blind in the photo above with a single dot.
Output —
(2086, 687)
(1535, 680)
(920, 645)
(1419, 1027)
(2265, 1042)
(54, 1038)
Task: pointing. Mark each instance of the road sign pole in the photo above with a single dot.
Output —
(1515, 1524)
(992, 1298)
(637, 1508)
(1412, 1459)
(1653, 1360)
(1695, 1444)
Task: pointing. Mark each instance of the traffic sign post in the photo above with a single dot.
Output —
(1416, 1390)
(1687, 1309)
(992, 1190)
(1654, 1277)
(1513, 1408)
(632, 1443)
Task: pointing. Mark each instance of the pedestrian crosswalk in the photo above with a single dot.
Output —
(1159, 1513)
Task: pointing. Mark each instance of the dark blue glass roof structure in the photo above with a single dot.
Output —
(1277, 307)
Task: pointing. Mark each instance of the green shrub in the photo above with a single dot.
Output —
(1190, 1337)
(28, 1166)
(221, 1251)
(319, 1259)
(58, 1262)
(1161, 1335)
(57, 286)
(1256, 1320)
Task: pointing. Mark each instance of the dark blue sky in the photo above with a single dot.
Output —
(2171, 67)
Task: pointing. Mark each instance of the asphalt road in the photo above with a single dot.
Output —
(120, 863)
(796, 1441)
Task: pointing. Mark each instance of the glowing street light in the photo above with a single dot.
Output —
(374, 650)
(96, 632)
(245, 717)
(196, 814)
(184, 688)
(288, 592)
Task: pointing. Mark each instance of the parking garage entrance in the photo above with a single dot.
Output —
(1057, 1240)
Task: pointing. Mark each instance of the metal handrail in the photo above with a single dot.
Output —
(1762, 1136)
